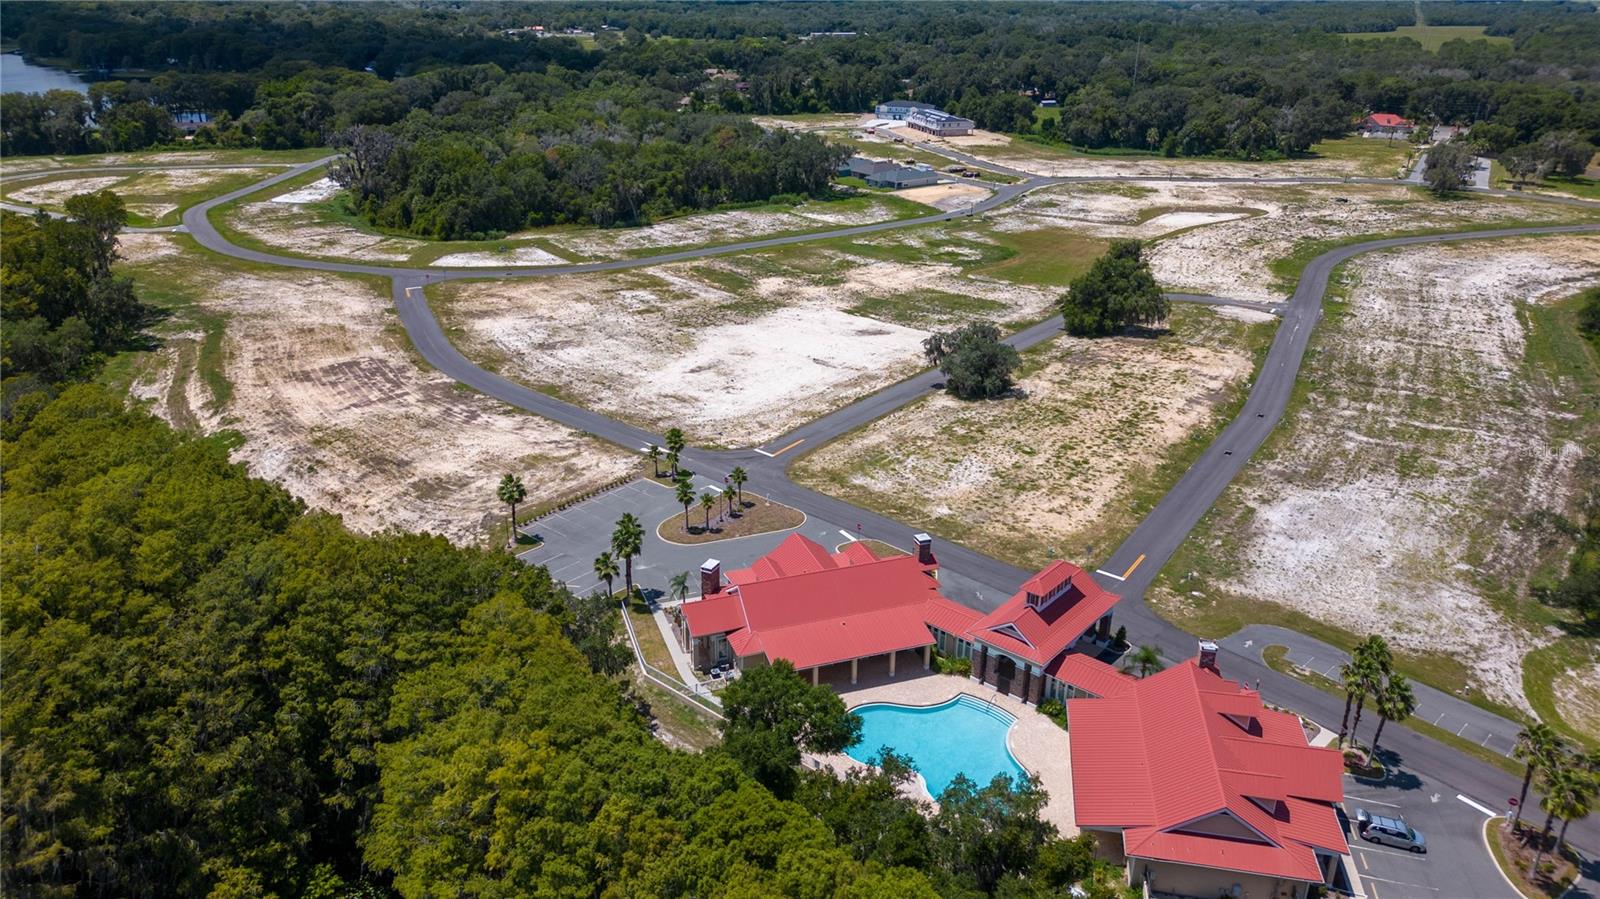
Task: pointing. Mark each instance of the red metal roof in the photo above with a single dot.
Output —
(803, 604)
(1187, 751)
(1090, 674)
(1387, 120)
(1039, 635)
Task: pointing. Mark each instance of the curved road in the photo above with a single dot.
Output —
(1132, 567)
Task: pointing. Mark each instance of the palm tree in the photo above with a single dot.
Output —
(1355, 674)
(512, 492)
(707, 501)
(675, 445)
(685, 499)
(1375, 650)
(738, 477)
(678, 587)
(727, 498)
(605, 568)
(626, 542)
(655, 458)
(1395, 703)
(1563, 785)
(1537, 745)
(1577, 801)
(1147, 659)
(672, 462)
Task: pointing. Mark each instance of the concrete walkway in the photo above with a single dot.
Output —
(1436, 707)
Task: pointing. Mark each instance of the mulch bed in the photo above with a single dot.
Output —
(757, 515)
(1556, 873)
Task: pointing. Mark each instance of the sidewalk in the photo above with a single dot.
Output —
(1436, 707)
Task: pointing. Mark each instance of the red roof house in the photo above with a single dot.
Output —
(816, 608)
(1206, 787)
(1023, 646)
(1386, 124)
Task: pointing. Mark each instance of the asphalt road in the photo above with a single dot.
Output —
(1133, 566)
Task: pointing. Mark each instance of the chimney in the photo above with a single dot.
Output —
(710, 577)
(1208, 655)
(924, 549)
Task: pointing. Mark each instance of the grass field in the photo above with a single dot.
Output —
(1378, 158)
(1432, 37)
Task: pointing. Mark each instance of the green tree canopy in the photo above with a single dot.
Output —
(976, 364)
(1117, 291)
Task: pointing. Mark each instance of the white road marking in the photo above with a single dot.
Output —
(763, 452)
(1368, 847)
(1477, 805)
(1372, 801)
(847, 535)
(1109, 574)
(1249, 643)
(1463, 730)
(1399, 883)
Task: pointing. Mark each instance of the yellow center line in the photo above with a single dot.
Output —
(1136, 563)
(789, 447)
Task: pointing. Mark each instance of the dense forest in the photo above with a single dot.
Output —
(631, 126)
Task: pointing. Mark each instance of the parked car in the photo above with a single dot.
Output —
(1386, 831)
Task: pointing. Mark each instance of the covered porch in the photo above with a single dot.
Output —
(872, 670)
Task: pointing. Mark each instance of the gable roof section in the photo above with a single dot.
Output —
(1387, 120)
(801, 603)
(1169, 752)
(1048, 630)
(1090, 674)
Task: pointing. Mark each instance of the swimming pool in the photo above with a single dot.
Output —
(964, 735)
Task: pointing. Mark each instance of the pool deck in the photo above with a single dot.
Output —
(1038, 743)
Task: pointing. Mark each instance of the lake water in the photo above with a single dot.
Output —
(17, 74)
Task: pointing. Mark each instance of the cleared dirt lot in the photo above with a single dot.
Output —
(735, 350)
(1410, 493)
(1234, 239)
(1061, 469)
(314, 373)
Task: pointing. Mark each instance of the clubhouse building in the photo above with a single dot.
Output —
(820, 609)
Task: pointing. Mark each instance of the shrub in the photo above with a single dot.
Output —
(1055, 710)
(948, 665)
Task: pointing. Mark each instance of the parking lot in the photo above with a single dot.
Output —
(573, 538)
(1457, 864)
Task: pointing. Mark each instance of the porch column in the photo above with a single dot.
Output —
(853, 663)
(983, 663)
(927, 657)
(1027, 677)
(1104, 631)
(814, 669)
(891, 663)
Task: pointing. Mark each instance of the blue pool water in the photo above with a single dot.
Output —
(963, 736)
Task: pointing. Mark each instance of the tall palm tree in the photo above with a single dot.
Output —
(1577, 801)
(707, 502)
(512, 492)
(675, 445)
(727, 498)
(1379, 662)
(627, 541)
(1537, 745)
(1147, 659)
(1395, 703)
(605, 568)
(738, 477)
(685, 499)
(678, 587)
(672, 462)
(1355, 674)
(654, 452)
(1562, 784)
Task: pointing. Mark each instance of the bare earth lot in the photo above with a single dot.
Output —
(1055, 471)
(735, 350)
(314, 373)
(1405, 495)
(152, 198)
(1223, 238)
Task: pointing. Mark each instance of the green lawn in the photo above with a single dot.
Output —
(1432, 37)
(1377, 158)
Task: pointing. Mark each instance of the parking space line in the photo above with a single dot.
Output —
(1364, 865)
(1364, 846)
(1371, 801)
(1400, 883)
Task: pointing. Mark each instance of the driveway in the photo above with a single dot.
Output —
(1457, 864)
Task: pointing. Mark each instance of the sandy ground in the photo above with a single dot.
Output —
(945, 196)
(315, 192)
(51, 194)
(735, 351)
(333, 406)
(517, 256)
(1095, 418)
(716, 227)
(1237, 230)
(1395, 499)
(1577, 695)
(150, 194)
(285, 222)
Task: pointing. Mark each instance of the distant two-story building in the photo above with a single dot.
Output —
(924, 117)
(1388, 125)
(887, 173)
